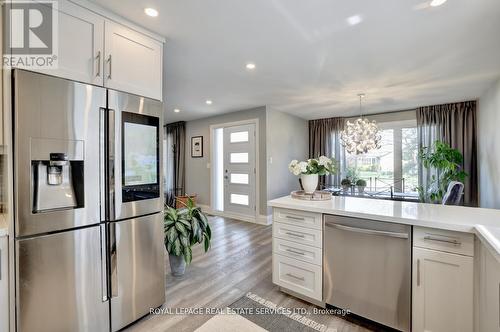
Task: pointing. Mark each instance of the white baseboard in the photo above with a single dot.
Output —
(260, 219)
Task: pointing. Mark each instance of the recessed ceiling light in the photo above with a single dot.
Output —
(177, 110)
(151, 12)
(208, 102)
(355, 19)
(436, 3)
(250, 65)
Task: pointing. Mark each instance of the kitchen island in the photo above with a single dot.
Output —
(453, 260)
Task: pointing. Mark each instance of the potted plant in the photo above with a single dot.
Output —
(346, 184)
(447, 164)
(310, 171)
(184, 228)
(361, 184)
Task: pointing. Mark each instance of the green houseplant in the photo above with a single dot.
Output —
(310, 171)
(446, 161)
(346, 184)
(184, 228)
(361, 184)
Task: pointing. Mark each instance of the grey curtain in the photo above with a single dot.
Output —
(454, 124)
(175, 149)
(324, 140)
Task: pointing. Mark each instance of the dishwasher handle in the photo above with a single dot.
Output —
(367, 231)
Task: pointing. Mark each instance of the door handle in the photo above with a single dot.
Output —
(295, 218)
(0, 264)
(111, 153)
(432, 238)
(295, 252)
(104, 265)
(367, 231)
(295, 234)
(113, 260)
(418, 272)
(295, 277)
(110, 68)
(98, 59)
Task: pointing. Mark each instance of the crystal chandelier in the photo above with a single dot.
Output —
(360, 136)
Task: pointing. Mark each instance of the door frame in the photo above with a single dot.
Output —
(255, 217)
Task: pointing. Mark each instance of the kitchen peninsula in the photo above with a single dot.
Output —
(441, 263)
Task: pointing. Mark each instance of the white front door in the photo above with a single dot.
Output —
(239, 169)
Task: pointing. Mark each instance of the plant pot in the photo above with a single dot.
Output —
(361, 189)
(309, 182)
(345, 188)
(177, 265)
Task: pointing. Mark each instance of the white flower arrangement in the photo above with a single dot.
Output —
(321, 166)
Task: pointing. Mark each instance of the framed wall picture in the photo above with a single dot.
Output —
(197, 147)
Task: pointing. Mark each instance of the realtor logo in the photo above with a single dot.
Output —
(31, 34)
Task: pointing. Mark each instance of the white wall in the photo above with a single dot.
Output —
(197, 171)
(287, 139)
(488, 145)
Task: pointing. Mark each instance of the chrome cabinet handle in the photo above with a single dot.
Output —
(295, 277)
(418, 272)
(98, 59)
(109, 72)
(295, 218)
(0, 264)
(368, 231)
(295, 252)
(499, 305)
(431, 238)
(294, 234)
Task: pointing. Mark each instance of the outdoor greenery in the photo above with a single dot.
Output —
(446, 162)
(184, 228)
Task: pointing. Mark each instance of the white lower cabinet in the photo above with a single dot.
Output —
(4, 285)
(442, 291)
(489, 292)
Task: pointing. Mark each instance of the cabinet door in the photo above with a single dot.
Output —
(4, 285)
(133, 62)
(442, 291)
(490, 302)
(80, 45)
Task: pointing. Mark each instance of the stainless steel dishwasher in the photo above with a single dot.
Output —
(367, 269)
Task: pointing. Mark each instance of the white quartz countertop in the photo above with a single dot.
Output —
(4, 230)
(483, 222)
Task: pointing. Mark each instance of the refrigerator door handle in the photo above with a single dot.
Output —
(104, 265)
(113, 260)
(111, 153)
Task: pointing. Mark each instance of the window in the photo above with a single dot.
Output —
(392, 167)
(239, 137)
(239, 158)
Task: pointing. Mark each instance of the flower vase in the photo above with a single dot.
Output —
(309, 182)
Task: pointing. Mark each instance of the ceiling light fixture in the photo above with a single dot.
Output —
(354, 20)
(436, 3)
(250, 66)
(208, 102)
(151, 12)
(362, 135)
(177, 110)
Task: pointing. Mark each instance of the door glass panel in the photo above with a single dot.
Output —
(239, 158)
(239, 178)
(238, 137)
(239, 199)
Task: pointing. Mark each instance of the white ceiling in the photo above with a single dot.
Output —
(311, 62)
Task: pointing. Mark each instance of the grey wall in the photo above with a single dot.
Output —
(197, 171)
(488, 122)
(287, 139)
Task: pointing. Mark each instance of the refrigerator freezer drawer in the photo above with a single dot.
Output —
(137, 268)
(59, 280)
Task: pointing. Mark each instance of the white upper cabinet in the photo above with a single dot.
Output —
(133, 61)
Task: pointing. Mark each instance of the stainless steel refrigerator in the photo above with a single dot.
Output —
(88, 205)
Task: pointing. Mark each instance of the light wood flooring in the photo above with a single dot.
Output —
(239, 261)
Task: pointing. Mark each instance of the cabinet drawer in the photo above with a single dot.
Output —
(298, 218)
(298, 251)
(443, 240)
(307, 236)
(298, 276)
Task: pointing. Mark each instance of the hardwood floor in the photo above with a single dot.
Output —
(239, 261)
